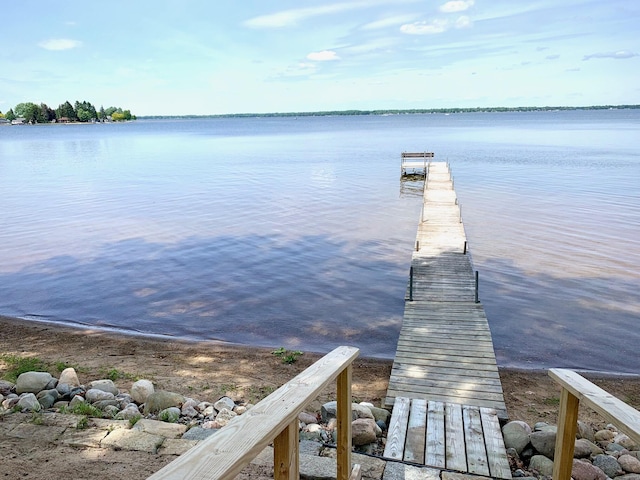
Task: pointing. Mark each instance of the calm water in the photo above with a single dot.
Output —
(298, 232)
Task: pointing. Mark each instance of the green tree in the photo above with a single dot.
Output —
(102, 114)
(10, 115)
(85, 111)
(66, 110)
(30, 112)
(47, 113)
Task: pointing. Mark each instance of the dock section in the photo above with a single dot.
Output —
(445, 351)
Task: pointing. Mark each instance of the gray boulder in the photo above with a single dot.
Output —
(29, 402)
(586, 431)
(608, 464)
(544, 442)
(96, 395)
(105, 385)
(542, 465)
(6, 387)
(329, 411)
(516, 435)
(224, 402)
(32, 382)
(158, 401)
(583, 448)
(625, 441)
(604, 436)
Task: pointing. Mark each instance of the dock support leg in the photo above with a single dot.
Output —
(411, 284)
(477, 280)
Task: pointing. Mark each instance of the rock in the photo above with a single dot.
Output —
(129, 412)
(209, 411)
(625, 441)
(305, 417)
(586, 431)
(10, 402)
(110, 410)
(6, 387)
(104, 385)
(583, 470)
(140, 390)
(608, 465)
(516, 435)
(363, 431)
(52, 384)
(629, 463)
(382, 425)
(136, 440)
(539, 426)
(199, 433)
(542, 465)
(28, 401)
(189, 408)
(604, 436)
(158, 401)
(63, 389)
(104, 404)
(614, 447)
(544, 442)
(224, 402)
(583, 448)
(124, 399)
(170, 415)
(47, 400)
(225, 416)
(240, 409)
(76, 400)
(163, 429)
(32, 382)
(95, 395)
(629, 476)
(329, 409)
(69, 377)
(380, 414)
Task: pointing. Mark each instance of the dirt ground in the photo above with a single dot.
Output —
(206, 371)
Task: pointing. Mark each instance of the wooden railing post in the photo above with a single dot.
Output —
(566, 436)
(344, 423)
(286, 457)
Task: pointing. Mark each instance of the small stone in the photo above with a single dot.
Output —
(129, 412)
(361, 412)
(76, 400)
(6, 387)
(110, 410)
(224, 402)
(539, 426)
(583, 448)
(140, 390)
(170, 415)
(307, 418)
(224, 417)
(105, 385)
(46, 400)
(124, 399)
(209, 411)
(625, 441)
(381, 425)
(69, 377)
(32, 382)
(541, 464)
(103, 404)
(63, 389)
(199, 433)
(614, 447)
(608, 465)
(586, 431)
(629, 463)
(240, 409)
(189, 408)
(95, 395)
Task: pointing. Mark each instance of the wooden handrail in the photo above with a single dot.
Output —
(575, 389)
(273, 419)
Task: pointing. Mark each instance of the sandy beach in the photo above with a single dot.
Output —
(208, 370)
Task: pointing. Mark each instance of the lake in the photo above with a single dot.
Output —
(298, 232)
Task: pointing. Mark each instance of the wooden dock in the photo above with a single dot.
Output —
(414, 163)
(445, 359)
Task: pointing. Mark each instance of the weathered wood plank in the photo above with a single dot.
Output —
(435, 444)
(456, 456)
(397, 433)
(496, 452)
(476, 452)
(416, 432)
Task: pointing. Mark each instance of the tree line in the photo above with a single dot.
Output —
(79, 112)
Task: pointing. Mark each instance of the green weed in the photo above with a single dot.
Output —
(18, 365)
(287, 356)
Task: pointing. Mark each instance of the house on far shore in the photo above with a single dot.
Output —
(4, 121)
(19, 121)
(63, 120)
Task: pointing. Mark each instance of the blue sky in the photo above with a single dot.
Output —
(209, 56)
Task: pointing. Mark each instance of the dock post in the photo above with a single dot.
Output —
(464, 252)
(477, 280)
(411, 284)
(417, 245)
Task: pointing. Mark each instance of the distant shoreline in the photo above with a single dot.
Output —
(415, 111)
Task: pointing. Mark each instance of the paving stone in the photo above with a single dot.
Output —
(37, 433)
(83, 438)
(164, 429)
(107, 424)
(372, 467)
(462, 476)
(60, 420)
(199, 433)
(400, 471)
(176, 446)
(135, 440)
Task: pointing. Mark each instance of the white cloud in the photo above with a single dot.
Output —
(59, 44)
(439, 25)
(292, 17)
(622, 54)
(388, 22)
(425, 28)
(323, 56)
(454, 6)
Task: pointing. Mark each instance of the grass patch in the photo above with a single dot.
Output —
(114, 374)
(84, 409)
(255, 394)
(17, 365)
(287, 356)
(551, 401)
